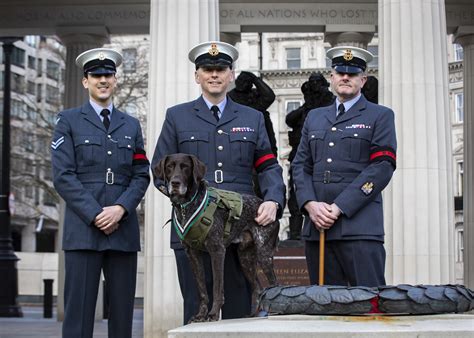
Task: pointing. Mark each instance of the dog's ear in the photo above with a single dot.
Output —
(159, 169)
(199, 169)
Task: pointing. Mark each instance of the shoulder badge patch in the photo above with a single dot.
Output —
(55, 144)
(367, 188)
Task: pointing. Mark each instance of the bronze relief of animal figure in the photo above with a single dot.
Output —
(209, 219)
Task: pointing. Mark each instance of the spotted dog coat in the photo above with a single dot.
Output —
(183, 175)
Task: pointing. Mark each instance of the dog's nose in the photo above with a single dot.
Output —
(174, 183)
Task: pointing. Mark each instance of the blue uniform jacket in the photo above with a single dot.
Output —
(94, 168)
(230, 148)
(349, 161)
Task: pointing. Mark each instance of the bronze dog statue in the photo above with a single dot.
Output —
(190, 195)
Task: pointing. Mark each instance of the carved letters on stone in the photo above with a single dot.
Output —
(297, 13)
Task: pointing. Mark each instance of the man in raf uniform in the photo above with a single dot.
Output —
(231, 140)
(101, 171)
(345, 159)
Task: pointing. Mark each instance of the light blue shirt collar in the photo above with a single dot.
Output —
(221, 105)
(99, 108)
(348, 104)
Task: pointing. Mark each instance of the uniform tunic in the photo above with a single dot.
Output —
(333, 164)
(94, 168)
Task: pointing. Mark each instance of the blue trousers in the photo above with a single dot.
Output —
(83, 268)
(347, 263)
(237, 291)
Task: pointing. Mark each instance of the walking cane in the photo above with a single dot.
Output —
(321, 256)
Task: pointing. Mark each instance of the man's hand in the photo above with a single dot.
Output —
(322, 214)
(335, 210)
(108, 219)
(266, 213)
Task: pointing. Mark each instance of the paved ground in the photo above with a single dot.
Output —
(32, 324)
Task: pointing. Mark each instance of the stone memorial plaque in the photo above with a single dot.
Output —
(289, 264)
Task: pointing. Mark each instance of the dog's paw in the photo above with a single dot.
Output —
(213, 318)
(197, 319)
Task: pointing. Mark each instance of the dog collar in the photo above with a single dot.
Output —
(181, 229)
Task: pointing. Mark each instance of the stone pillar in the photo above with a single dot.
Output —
(76, 40)
(356, 38)
(419, 204)
(175, 27)
(465, 36)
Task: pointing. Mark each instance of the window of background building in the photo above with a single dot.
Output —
(292, 105)
(459, 244)
(51, 116)
(459, 107)
(39, 67)
(49, 199)
(375, 61)
(31, 40)
(31, 62)
(129, 60)
(52, 70)
(18, 83)
(48, 172)
(28, 141)
(460, 174)
(458, 52)
(31, 88)
(29, 191)
(39, 92)
(18, 57)
(293, 58)
(1, 80)
(52, 94)
(16, 108)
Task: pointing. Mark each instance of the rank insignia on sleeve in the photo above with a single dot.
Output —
(55, 144)
(367, 188)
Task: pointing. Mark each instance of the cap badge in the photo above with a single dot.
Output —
(367, 188)
(348, 55)
(101, 56)
(213, 51)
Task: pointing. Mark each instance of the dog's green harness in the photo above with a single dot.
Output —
(196, 229)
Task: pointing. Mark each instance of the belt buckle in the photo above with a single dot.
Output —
(109, 176)
(218, 176)
(327, 177)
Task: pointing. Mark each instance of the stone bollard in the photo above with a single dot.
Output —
(48, 298)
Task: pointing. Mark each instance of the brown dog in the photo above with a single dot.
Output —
(183, 175)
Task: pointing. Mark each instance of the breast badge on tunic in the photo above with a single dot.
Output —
(367, 188)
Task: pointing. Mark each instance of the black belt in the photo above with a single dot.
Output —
(334, 177)
(107, 177)
(223, 176)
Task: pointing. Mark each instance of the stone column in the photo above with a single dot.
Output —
(419, 205)
(175, 27)
(76, 40)
(356, 38)
(465, 36)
